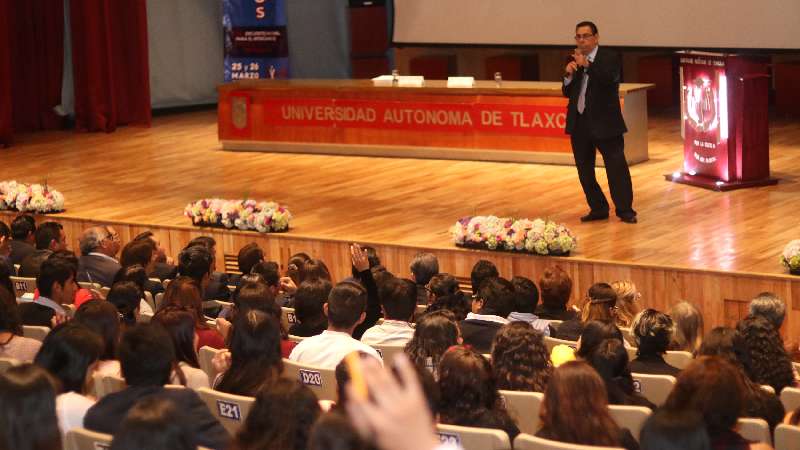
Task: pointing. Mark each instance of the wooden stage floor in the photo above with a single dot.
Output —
(147, 175)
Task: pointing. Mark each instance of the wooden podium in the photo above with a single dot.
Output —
(724, 121)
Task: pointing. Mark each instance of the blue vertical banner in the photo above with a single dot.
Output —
(256, 43)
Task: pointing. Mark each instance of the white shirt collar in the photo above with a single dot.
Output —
(487, 318)
(592, 54)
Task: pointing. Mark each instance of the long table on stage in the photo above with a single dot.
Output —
(514, 121)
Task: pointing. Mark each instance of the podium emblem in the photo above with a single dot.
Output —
(701, 105)
(239, 112)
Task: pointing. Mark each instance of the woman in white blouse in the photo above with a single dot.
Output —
(180, 324)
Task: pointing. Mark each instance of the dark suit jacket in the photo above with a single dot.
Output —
(20, 250)
(107, 414)
(32, 263)
(102, 270)
(479, 334)
(217, 287)
(555, 314)
(653, 365)
(31, 313)
(164, 271)
(602, 107)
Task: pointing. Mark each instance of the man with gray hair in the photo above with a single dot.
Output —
(423, 267)
(99, 247)
(770, 307)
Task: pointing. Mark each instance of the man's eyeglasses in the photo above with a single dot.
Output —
(579, 37)
(112, 236)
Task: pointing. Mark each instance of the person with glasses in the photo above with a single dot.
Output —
(594, 121)
(99, 247)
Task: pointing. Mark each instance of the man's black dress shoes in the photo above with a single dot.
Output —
(629, 219)
(594, 216)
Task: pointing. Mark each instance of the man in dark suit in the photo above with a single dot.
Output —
(594, 121)
(50, 237)
(492, 305)
(146, 366)
(99, 247)
(23, 229)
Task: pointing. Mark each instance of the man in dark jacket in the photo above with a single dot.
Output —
(491, 306)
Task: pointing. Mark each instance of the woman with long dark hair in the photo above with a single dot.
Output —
(520, 360)
(575, 409)
(308, 308)
(12, 343)
(434, 334)
(255, 349)
(469, 394)
(768, 361)
(610, 360)
(179, 323)
(102, 317)
(593, 334)
(185, 292)
(28, 410)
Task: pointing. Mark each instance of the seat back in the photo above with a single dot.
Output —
(35, 332)
(655, 388)
(790, 397)
(627, 334)
(23, 285)
(630, 417)
(321, 381)
(387, 352)
(205, 356)
(148, 298)
(83, 439)
(631, 352)
(678, 359)
(231, 410)
(297, 339)
(7, 363)
(158, 300)
(526, 441)
(287, 317)
(767, 388)
(471, 438)
(550, 342)
(524, 408)
(787, 437)
(89, 285)
(107, 384)
(754, 429)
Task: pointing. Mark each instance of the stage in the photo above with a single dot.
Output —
(717, 249)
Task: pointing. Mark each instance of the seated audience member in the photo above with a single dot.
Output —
(492, 303)
(770, 307)
(599, 305)
(445, 295)
(763, 347)
(23, 237)
(345, 310)
(137, 274)
(666, 430)
(163, 269)
(248, 256)
(398, 301)
(309, 301)
(102, 317)
(293, 266)
(70, 353)
(423, 267)
(469, 394)
(28, 409)
(142, 254)
(5, 250)
(713, 388)
(610, 360)
(688, 333)
(5, 279)
(627, 302)
(283, 289)
(12, 342)
(202, 266)
(555, 287)
(254, 294)
(314, 269)
(728, 343)
(179, 323)
(526, 296)
(520, 360)
(154, 424)
(99, 248)
(56, 285)
(593, 334)
(255, 354)
(482, 271)
(652, 331)
(146, 366)
(434, 334)
(334, 431)
(185, 292)
(575, 410)
(372, 310)
(281, 418)
(126, 296)
(50, 238)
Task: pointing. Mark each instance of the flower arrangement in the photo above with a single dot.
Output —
(242, 214)
(791, 256)
(543, 237)
(30, 197)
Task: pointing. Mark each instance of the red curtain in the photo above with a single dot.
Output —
(5, 74)
(110, 63)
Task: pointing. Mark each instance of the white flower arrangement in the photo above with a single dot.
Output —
(791, 256)
(242, 214)
(30, 197)
(543, 237)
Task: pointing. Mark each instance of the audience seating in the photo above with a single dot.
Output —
(768, 388)
(107, 384)
(631, 351)
(83, 439)
(627, 334)
(70, 309)
(655, 388)
(754, 429)
(678, 359)
(104, 291)
(7, 363)
(35, 332)
(787, 437)
(165, 283)
(550, 342)
(554, 324)
(472, 438)
(205, 356)
(287, 317)
(16, 268)
(158, 300)
(529, 442)
(231, 410)
(321, 381)
(89, 285)
(420, 309)
(465, 285)
(524, 408)
(23, 285)
(294, 338)
(630, 417)
(387, 352)
(148, 298)
(790, 397)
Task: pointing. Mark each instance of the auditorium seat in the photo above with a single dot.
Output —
(524, 406)
(787, 437)
(83, 439)
(7, 363)
(297, 339)
(529, 442)
(23, 285)
(35, 332)
(287, 317)
(790, 397)
(387, 352)
(231, 410)
(472, 438)
(655, 388)
(630, 417)
(754, 429)
(205, 356)
(321, 381)
(148, 298)
(90, 286)
(107, 384)
(768, 388)
(678, 359)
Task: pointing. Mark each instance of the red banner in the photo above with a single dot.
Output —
(536, 120)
